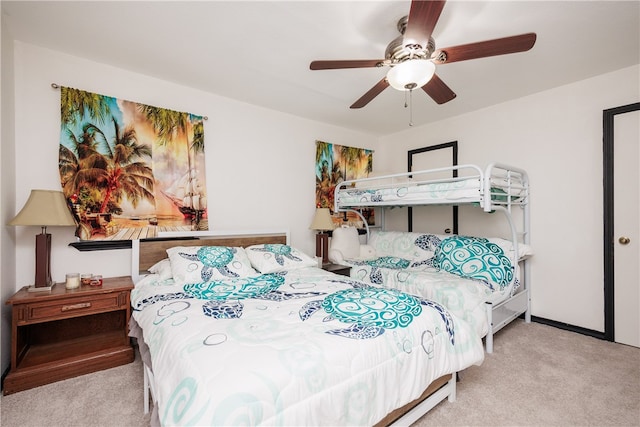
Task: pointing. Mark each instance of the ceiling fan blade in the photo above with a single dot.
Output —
(372, 93)
(355, 63)
(502, 46)
(438, 90)
(422, 19)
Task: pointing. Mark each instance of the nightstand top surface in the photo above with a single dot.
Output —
(109, 284)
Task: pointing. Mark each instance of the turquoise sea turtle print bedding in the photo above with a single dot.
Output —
(460, 272)
(297, 347)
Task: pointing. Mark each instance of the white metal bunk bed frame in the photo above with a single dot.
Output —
(501, 188)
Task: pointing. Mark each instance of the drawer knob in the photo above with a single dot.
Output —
(76, 306)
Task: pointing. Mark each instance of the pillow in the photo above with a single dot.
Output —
(163, 269)
(475, 258)
(345, 245)
(524, 250)
(346, 240)
(198, 264)
(272, 258)
(408, 245)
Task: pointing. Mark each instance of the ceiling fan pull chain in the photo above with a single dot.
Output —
(410, 107)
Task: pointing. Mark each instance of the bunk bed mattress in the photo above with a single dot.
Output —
(459, 191)
(299, 347)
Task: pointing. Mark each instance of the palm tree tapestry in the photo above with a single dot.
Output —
(130, 170)
(337, 163)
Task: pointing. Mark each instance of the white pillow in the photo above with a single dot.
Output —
(198, 264)
(272, 258)
(346, 240)
(524, 251)
(163, 269)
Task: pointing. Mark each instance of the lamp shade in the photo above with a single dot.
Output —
(411, 74)
(44, 208)
(322, 220)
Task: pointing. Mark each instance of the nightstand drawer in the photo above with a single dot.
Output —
(72, 307)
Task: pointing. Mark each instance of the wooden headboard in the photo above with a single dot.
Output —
(147, 252)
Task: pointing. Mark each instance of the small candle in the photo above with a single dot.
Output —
(73, 281)
(96, 280)
(85, 279)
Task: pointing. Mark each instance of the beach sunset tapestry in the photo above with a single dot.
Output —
(337, 163)
(130, 170)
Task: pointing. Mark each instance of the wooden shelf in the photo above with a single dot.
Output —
(79, 347)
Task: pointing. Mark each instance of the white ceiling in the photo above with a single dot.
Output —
(259, 52)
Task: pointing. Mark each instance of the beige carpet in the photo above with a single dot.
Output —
(543, 376)
(538, 376)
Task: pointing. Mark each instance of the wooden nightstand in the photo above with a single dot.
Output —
(344, 270)
(65, 333)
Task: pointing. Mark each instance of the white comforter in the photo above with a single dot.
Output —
(464, 298)
(306, 347)
(459, 191)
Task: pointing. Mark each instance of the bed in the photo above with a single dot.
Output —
(496, 188)
(287, 343)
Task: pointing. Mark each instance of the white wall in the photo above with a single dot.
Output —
(7, 195)
(557, 137)
(259, 162)
(259, 166)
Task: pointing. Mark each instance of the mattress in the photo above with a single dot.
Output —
(407, 193)
(299, 347)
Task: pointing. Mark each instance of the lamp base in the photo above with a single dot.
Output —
(322, 247)
(43, 260)
(34, 288)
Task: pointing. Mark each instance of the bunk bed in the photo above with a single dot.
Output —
(269, 338)
(496, 188)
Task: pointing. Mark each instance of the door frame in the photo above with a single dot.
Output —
(608, 117)
(454, 162)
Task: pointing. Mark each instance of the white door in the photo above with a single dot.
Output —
(627, 228)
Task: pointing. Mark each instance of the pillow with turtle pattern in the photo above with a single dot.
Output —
(475, 258)
(273, 258)
(200, 264)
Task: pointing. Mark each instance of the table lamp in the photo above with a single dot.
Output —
(322, 222)
(44, 208)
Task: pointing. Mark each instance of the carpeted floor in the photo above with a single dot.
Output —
(543, 376)
(538, 376)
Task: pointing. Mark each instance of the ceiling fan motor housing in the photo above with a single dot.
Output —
(398, 52)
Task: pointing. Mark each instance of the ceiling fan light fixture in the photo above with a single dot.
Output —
(411, 74)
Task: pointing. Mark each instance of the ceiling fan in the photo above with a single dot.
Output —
(413, 55)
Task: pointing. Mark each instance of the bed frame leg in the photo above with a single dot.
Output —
(527, 314)
(146, 390)
(489, 338)
(452, 388)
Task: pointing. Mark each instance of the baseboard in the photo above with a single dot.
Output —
(568, 327)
